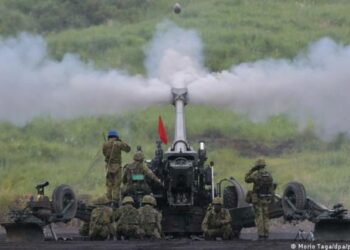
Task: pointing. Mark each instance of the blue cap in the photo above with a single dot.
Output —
(113, 133)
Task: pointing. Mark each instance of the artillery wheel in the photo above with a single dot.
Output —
(231, 201)
(230, 197)
(295, 192)
(61, 197)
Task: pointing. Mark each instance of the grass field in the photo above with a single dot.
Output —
(233, 31)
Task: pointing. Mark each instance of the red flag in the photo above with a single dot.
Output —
(161, 130)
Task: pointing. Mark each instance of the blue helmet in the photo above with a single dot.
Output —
(113, 133)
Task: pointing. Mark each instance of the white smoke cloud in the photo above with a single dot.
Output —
(32, 84)
(175, 55)
(314, 85)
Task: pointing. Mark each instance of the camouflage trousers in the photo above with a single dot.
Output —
(150, 231)
(128, 231)
(225, 232)
(100, 232)
(84, 229)
(261, 208)
(113, 182)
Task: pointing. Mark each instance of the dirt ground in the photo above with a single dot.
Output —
(282, 237)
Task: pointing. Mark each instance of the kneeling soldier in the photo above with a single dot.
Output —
(127, 220)
(101, 223)
(150, 218)
(217, 221)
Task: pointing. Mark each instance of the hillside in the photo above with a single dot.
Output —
(113, 35)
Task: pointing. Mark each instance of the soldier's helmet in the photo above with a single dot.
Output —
(138, 156)
(217, 201)
(149, 199)
(113, 133)
(260, 163)
(128, 199)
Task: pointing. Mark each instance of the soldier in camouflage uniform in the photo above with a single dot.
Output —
(217, 221)
(101, 223)
(261, 196)
(150, 218)
(134, 177)
(112, 151)
(127, 220)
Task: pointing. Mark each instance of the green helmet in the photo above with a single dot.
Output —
(260, 163)
(217, 201)
(149, 199)
(138, 156)
(128, 199)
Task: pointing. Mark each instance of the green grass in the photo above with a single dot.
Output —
(233, 31)
(69, 151)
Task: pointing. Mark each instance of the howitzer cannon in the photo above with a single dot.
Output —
(189, 188)
(189, 185)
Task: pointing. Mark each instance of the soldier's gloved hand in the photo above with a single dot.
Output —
(254, 168)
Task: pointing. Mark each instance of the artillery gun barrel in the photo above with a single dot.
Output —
(179, 101)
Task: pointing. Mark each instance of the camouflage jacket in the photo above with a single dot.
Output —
(256, 177)
(213, 220)
(126, 215)
(112, 151)
(137, 168)
(150, 219)
(101, 215)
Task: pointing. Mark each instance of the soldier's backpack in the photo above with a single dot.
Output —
(129, 216)
(134, 173)
(148, 219)
(100, 222)
(264, 186)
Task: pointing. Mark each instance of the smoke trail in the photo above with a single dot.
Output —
(32, 84)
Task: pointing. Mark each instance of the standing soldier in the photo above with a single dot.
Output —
(150, 218)
(217, 221)
(134, 177)
(261, 196)
(112, 152)
(127, 220)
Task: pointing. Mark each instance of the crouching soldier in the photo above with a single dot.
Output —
(150, 218)
(217, 221)
(127, 220)
(101, 223)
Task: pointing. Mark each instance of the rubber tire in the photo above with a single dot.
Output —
(297, 190)
(231, 201)
(230, 197)
(61, 196)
